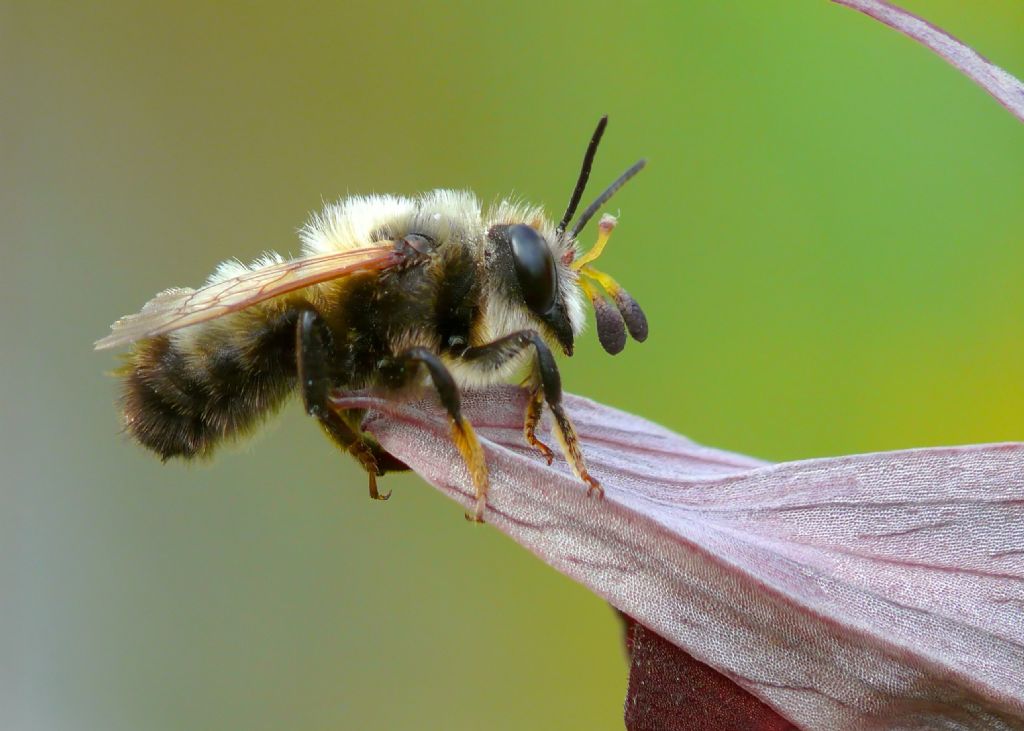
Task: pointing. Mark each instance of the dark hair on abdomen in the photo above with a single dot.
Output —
(182, 397)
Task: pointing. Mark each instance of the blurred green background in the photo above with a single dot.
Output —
(828, 243)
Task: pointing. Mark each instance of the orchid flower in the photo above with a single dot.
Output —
(878, 590)
(870, 591)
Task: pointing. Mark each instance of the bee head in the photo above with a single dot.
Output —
(541, 280)
(532, 276)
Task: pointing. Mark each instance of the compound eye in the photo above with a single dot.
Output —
(535, 267)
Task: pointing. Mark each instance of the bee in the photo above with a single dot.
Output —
(392, 294)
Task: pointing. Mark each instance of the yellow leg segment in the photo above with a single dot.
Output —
(473, 455)
(565, 432)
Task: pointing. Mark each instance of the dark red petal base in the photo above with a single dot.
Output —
(670, 691)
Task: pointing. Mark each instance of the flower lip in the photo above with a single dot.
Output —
(905, 565)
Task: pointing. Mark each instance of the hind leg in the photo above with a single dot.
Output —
(315, 354)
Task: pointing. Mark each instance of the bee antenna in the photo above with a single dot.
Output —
(603, 198)
(581, 182)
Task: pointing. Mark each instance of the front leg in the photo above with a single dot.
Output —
(546, 385)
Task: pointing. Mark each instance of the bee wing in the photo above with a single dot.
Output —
(173, 309)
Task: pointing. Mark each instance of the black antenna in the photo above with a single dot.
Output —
(581, 182)
(603, 198)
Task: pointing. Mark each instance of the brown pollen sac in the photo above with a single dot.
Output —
(611, 329)
(636, 320)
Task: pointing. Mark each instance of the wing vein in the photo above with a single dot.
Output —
(174, 309)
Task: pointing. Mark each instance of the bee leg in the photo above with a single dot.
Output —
(534, 408)
(314, 352)
(546, 386)
(401, 370)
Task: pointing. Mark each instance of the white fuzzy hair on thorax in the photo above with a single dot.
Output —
(358, 221)
(504, 319)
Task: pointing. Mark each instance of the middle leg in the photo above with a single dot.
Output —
(402, 370)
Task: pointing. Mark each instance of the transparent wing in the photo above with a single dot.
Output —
(173, 309)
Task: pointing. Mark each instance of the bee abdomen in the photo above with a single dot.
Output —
(182, 397)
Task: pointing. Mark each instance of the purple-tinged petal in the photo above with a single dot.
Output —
(877, 590)
(1007, 90)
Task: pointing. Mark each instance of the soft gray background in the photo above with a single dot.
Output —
(828, 243)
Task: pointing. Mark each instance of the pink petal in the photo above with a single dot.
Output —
(1003, 86)
(854, 592)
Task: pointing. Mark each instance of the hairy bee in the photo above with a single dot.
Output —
(391, 293)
